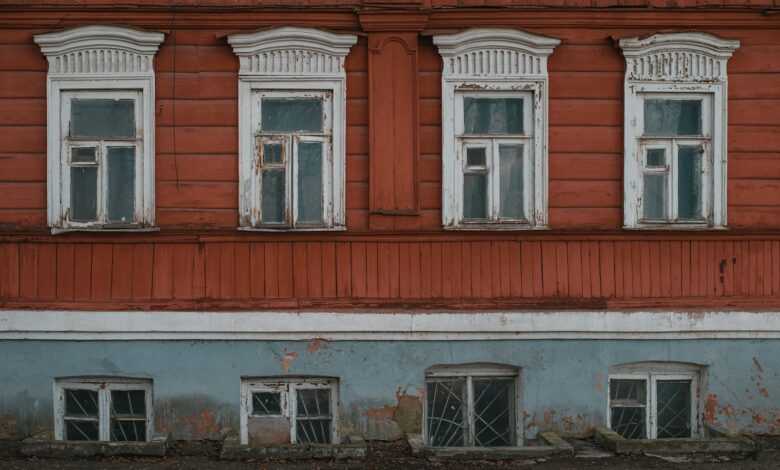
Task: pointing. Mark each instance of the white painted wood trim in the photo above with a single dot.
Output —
(384, 326)
(494, 60)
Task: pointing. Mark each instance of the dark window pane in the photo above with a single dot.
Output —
(128, 403)
(266, 404)
(493, 115)
(630, 390)
(128, 430)
(673, 117)
(313, 431)
(81, 403)
(674, 408)
(474, 196)
(629, 422)
(511, 176)
(81, 430)
(82, 155)
(273, 196)
(121, 184)
(273, 153)
(83, 193)
(291, 114)
(656, 157)
(689, 179)
(102, 118)
(310, 182)
(494, 414)
(446, 412)
(475, 156)
(654, 199)
(313, 402)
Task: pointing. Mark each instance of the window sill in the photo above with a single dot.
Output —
(356, 448)
(676, 227)
(550, 444)
(61, 230)
(45, 448)
(496, 227)
(338, 228)
(719, 442)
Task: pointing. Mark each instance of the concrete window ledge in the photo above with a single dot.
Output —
(719, 442)
(44, 448)
(551, 444)
(356, 448)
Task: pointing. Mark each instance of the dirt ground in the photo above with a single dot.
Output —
(396, 455)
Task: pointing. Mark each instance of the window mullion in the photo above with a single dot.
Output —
(104, 414)
(102, 196)
(292, 406)
(291, 175)
(494, 181)
(650, 406)
(469, 431)
(673, 182)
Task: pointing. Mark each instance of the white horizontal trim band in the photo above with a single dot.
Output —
(262, 325)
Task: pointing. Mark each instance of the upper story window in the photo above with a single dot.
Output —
(103, 409)
(289, 410)
(494, 129)
(100, 147)
(675, 130)
(472, 405)
(292, 121)
(655, 400)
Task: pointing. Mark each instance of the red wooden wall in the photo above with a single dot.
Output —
(198, 259)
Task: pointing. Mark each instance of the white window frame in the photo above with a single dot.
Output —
(287, 387)
(490, 62)
(676, 66)
(110, 61)
(294, 62)
(652, 373)
(469, 372)
(104, 386)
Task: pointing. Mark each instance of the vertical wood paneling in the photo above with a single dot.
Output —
(163, 272)
(183, 256)
(452, 284)
(28, 270)
(607, 267)
(358, 269)
(9, 270)
(122, 271)
(143, 272)
(65, 271)
(47, 272)
(212, 257)
(437, 278)
(243, 273)
(426, 270)
(257, 254)
(343, 270)
(329, 269)
(574, 268)
(314, 259)
(300, 270)
(102, 271)
(285, 266)
(271, 270)
(82, 271)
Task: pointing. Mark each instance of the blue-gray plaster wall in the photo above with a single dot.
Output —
(564, 382)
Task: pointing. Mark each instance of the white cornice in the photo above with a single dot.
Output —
(292, 51)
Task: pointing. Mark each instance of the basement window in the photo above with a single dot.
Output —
(655, 403)
(289, 410)
(103, 409)
(473, 405)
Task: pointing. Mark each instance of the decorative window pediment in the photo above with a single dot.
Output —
(292, 124)
(494, 129)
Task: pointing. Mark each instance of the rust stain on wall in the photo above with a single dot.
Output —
(711, 409)
(287, 360)
(316, 344)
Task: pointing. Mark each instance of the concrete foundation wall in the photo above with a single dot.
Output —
(564, 382)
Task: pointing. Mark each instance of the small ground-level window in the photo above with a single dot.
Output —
(103, 409)
(654, 403)
(472, 405)
(289, 410)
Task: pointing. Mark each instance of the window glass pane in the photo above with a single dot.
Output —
(446, 411)
(128, 403)
(83, 193)
(82, 155)
(273, 153)
(81, 430)
(475, 156)
(474, 196)
(291, 114)
(313, 431)
(494, 415)
(656, 157)
(511, 176)
(654, 200)
(313, 402)
(102, 118)
(629, 422)
(689, 179)
(121, 184)
(266, 404)
(674, 408)
(672, 117)
(632, 390)
(273, 203)
(81, 403)
(128, 430)
(310, 182)
(493, 115)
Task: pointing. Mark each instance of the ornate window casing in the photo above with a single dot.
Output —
(305, 68)
(494, 129)
(110, 70)
(676, 97)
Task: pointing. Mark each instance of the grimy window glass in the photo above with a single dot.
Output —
(81, 415)
(493, 115)
(128, 415)
(628, 402)
(102, 118)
